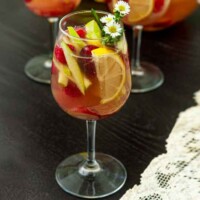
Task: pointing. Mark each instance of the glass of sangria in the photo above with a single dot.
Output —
(151, 15)
(90, 80)
(39, 67)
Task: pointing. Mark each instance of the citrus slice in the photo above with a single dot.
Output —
(159, 10)
(110, 71)
(140, 9)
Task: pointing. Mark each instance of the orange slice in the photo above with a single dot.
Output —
(156, 15)
(111, 74)
(140, 9)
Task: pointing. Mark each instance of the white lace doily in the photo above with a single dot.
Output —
(176, 174)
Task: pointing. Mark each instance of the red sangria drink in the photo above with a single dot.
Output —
(90, 80)
(39, 67)
(157, 14)
(51, 8)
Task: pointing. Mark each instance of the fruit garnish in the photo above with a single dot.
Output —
(141, 10)
(86, 61)
(62, 67)
(62, 78)
(122, 45)
(158, 4)
(110, 26)
(73, 67)
(92, 30)
(59, 54)
(87, 82)
(53, 68)
(81, 32)
(111, 74)
(159, 10)
(75, 39)
(72, 90)
(83, 113)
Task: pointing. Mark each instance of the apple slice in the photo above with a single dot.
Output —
(74, 67)
(75, 39)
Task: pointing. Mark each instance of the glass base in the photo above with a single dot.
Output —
(39, 68)
(109, 176)
(148, 77)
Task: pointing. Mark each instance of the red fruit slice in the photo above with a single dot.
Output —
(81, 31)
(53, 68)
(72, 47)
(72, 90)
(160, 8)
(86, 62)
(84, 113)
(59, 54)
(158, 5)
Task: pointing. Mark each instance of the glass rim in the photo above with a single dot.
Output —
(75, 13)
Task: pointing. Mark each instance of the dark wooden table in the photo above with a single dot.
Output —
(35, 134)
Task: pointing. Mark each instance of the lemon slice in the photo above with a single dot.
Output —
(110, 71)
(140, 9)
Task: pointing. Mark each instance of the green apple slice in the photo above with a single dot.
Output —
(92, 30)
(62, 79)
(77, 42)
(87, 82)
(74, 67)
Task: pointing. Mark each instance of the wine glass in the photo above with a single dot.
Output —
(39, 67)
(151, 15)
(90, 81)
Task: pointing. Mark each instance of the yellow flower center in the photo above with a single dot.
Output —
(121, 8)
(112, 29)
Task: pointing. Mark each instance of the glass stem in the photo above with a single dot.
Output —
(53, 32)
(135, 57)
(90, 166)
(53, 22)
(91, 133)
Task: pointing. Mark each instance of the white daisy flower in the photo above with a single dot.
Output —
(113, 29)
(122, 7)
(107, 19)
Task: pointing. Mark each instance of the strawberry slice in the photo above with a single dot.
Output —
(72, 90)
(81, 31)
(53, 68)
(59, 54)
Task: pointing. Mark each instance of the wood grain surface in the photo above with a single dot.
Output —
(35, 134)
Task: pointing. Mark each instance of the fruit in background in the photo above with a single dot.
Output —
(86, 62)
(74, 67)
(141, 9)
(159, 10)
(112, 77)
